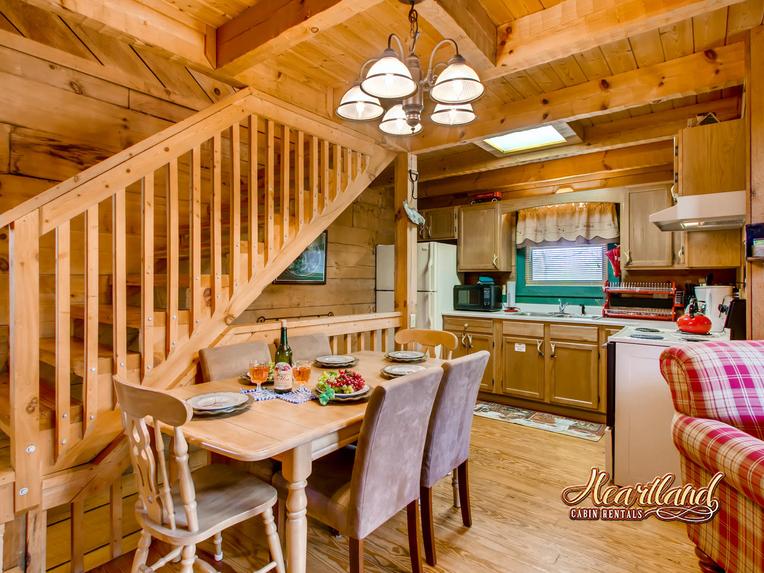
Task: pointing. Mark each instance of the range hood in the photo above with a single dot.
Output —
(709, 212)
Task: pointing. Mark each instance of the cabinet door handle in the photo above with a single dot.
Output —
(539, 344)
(628, 256)
(554, 350)
(495, 260)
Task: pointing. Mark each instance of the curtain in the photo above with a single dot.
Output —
(567, 221)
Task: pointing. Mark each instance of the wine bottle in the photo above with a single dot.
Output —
(282, 371)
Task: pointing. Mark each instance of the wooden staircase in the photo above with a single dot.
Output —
(131, 267)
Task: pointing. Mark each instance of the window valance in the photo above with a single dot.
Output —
(568, 221)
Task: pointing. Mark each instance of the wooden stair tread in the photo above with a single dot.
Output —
(47, 409)
(77, 351)
(106, 315)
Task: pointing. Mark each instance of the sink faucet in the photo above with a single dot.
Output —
(563, 306)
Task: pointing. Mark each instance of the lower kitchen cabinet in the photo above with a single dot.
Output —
(474, 336)
(554, 367)
(523, 367)
(574, 374)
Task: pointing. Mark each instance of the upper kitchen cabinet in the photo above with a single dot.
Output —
(486, 238)
(711, 159)
(440, 224)
(645, 245)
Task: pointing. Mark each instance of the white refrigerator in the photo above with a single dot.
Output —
(436, 277)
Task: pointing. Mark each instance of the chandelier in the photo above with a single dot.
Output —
(398, 81)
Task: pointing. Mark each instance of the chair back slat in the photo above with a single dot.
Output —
(428, 341)
(389, 453)
(147, 454)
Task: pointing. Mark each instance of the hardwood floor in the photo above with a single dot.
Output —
(519, 522)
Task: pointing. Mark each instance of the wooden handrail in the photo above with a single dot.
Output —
(162, 146)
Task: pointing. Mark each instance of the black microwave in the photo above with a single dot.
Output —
(485, 297)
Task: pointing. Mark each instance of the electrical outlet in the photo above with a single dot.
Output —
(412, 320)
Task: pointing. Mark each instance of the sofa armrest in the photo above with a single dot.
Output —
(719, 447)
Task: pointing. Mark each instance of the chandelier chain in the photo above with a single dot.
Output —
(413, 25)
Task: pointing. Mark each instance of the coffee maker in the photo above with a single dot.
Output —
(714, 303)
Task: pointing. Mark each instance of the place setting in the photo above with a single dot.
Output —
(405, 362)
(335, 361)
(219, 404)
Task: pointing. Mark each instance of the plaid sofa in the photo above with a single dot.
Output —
(718, 394)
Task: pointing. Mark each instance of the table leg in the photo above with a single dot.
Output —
(296, 468)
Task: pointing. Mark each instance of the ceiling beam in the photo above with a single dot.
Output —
(269, 29)
(697, 73)
(467, 22)
(574, 26)
(555, 171)
(648, 128)
(596, 187)
(179, 38)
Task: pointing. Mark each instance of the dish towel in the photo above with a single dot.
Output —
(261, 395)
(296, 396)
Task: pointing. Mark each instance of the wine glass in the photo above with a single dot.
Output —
(301, 373)
(258, 372)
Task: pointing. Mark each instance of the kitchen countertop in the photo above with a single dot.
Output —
(589, 319)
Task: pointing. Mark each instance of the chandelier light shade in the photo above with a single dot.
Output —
(389, 78)
(458, 83)
(359, 106)
(398, 78)
(458, 114)
(394, 122)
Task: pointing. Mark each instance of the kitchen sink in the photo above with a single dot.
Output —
(558, 315)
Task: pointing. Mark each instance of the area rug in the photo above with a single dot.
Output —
(591, 431)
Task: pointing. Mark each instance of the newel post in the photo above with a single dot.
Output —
(25, 359)
(405, 240)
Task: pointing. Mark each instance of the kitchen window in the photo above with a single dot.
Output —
(566, 265)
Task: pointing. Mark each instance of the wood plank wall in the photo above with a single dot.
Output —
(349, 287)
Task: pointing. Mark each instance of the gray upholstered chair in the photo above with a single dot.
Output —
(231, 361)
(447, 448)
(354, 491)
(308, 346)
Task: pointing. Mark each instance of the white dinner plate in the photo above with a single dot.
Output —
(397, 370)
(335, 359)
(215, 401)
(406, 355)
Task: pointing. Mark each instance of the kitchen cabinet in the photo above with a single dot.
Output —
(574, 374)
(440, 224)
(523, 367)
(711, 159)
(485, 238)
(474, 335)
(646, 246)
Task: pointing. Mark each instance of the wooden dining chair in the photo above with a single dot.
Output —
(195, 506)
(447, 448)
(429, 340)
(356, 490)
(309, 346)
(231, 361)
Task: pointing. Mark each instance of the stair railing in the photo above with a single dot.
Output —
(133, 265)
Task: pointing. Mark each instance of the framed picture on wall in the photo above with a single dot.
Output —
(310, 267)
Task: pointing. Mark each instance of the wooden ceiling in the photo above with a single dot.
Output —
(612, 69)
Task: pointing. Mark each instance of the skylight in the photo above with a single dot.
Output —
(526, 140)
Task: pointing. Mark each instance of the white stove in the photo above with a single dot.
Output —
(666, 336)
(640, 409)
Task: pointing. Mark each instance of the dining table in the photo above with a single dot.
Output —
(294, 434)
